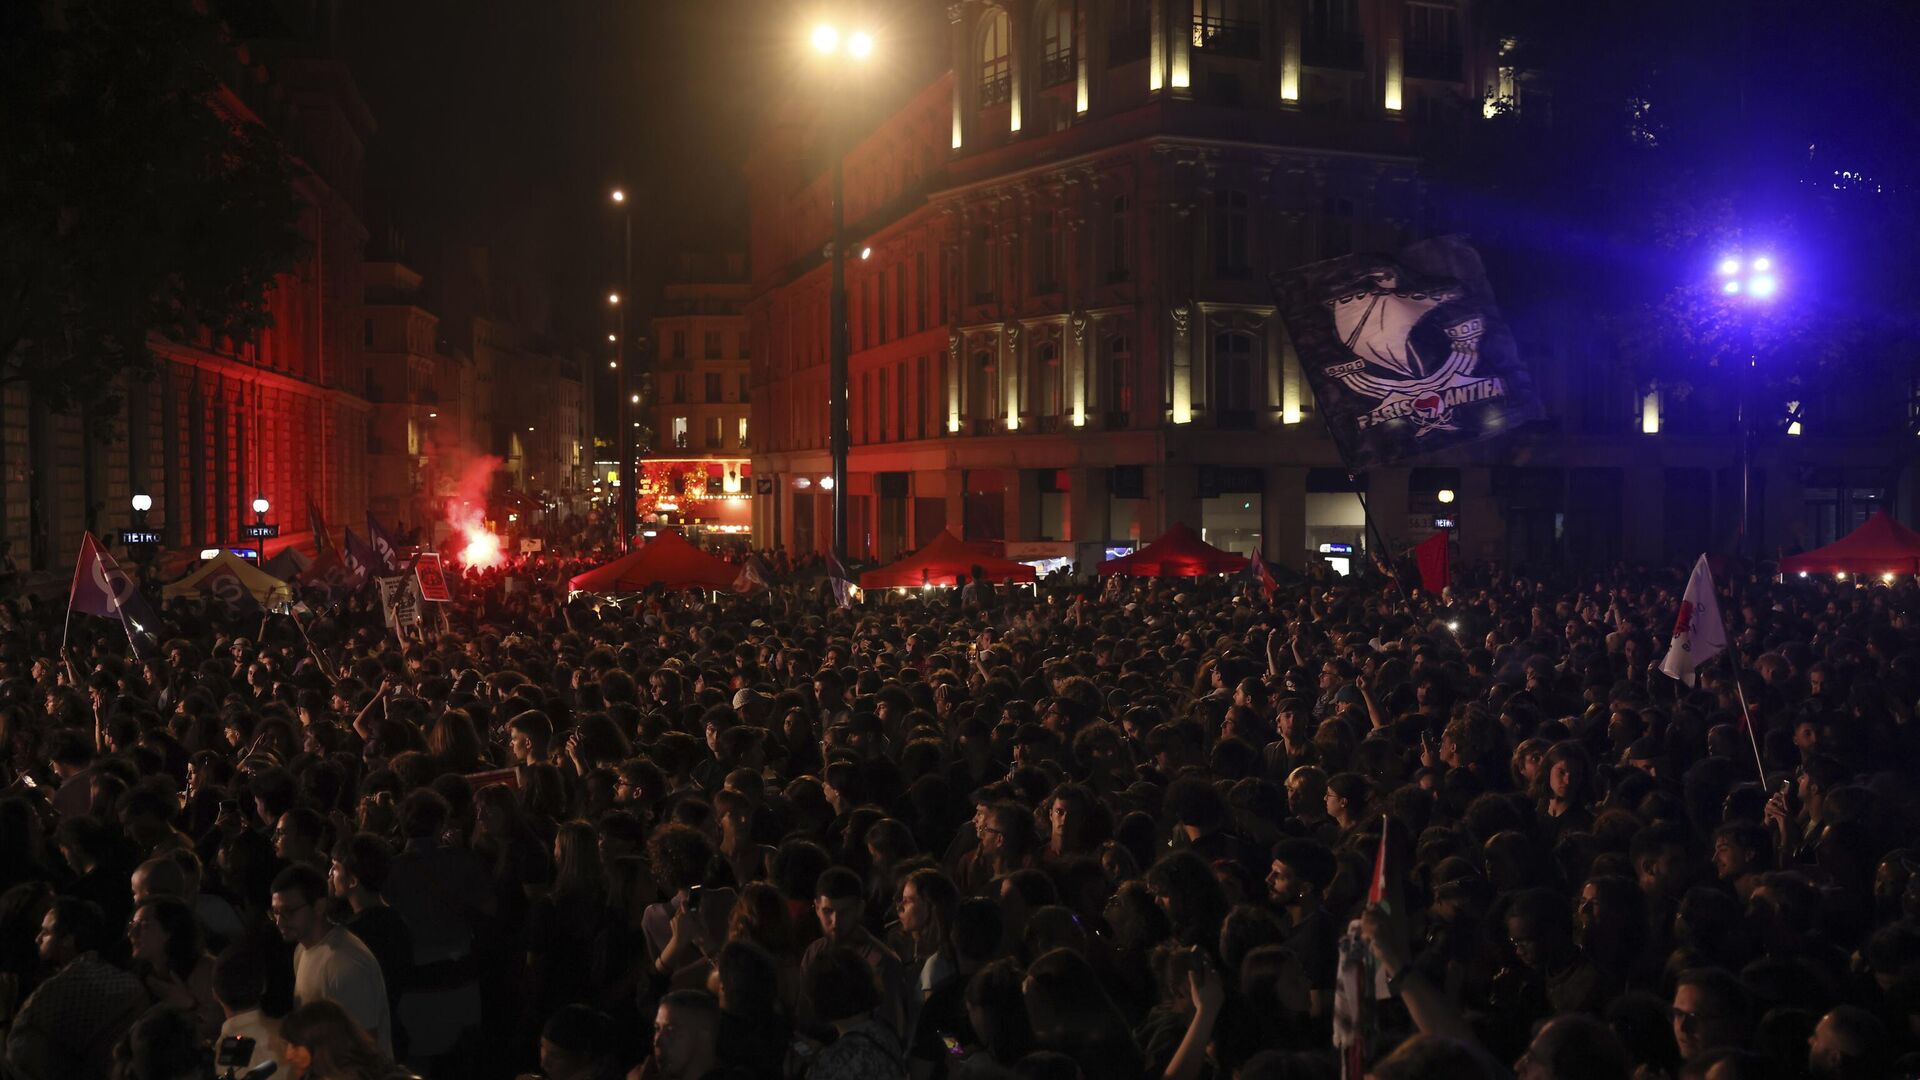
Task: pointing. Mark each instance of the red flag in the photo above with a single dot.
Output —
(1263, 574)
(1434, 561)
(322, 543)
(100, 587)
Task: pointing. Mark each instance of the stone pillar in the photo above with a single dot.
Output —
(1283, 517)
(1392, 36)
(1179, 30)
(1175, 490)
(957, 33)
(1010, 374)
(1079, 373)
(1481, 524)
(1387, 503)
(1183, 395)
(957, 501)
(1022, 496)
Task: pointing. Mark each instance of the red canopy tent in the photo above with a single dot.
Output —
(1880, 546)
(944, 560)
(667, 560)
(1178, 553)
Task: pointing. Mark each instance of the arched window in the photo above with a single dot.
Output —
(996, 58)
(1056, 43)
(1116, 381)
(1235, 364)
(1231, 226)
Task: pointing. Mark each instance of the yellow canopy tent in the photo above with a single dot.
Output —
(229, 579)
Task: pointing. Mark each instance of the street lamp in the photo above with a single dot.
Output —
(624, 515)
(844, 49)
(1750, 280)
(141, 504)
(1445, 495)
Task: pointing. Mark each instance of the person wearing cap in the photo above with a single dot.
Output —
(1296, 881)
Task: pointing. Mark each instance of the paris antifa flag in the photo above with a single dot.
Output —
(1407, 355)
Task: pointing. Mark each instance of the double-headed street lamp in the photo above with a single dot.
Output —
(1748, 280)
(844, 49)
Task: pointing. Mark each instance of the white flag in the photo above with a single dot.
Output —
(1698, 634)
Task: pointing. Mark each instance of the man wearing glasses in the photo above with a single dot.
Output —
(328, 961)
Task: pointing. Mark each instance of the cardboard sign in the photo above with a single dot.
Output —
(494, 778)
(433, 582)
(531, 545)
(400, 599)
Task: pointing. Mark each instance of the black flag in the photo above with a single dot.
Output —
(1406, 355)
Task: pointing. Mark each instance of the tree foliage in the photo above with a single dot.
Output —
(135, 200)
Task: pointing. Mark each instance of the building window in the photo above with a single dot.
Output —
(996, 59)
(1234, 367)
(1116, 389)
(983, 387)
(920, 287)
(1132, 29)
(1117, 249)
(712, 343)
(369, 333)
(1045, 395)
(746, 350)
(1225, 28)
(714, 429)
(744, 443)
(744, 395)
(1433, 41)
(1056, 44)
(900, 301)
(1332, 35)
(679, 344)
(679, 388)
(880, 408)
(714, 393)
(923, 396)
(899, 400)
(1044, 249)
(679, 433)
(1230, 230)
(980, 264)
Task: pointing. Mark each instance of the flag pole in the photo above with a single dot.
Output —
(1375, 537)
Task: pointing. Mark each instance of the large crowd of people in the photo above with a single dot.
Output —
(1107, 830)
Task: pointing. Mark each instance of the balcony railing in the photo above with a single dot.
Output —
(1050, 424)
(1057, 68)
(983, 425)
(1227, 37)
(995, 90)
(1234, 420)
(1444, 64)
(1333, 50)
(1118, 421)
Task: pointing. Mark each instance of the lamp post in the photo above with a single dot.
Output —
(839, 48)
(260, 508)
(623, 380)
(1750, 281)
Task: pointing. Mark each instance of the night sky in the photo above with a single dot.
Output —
(506, 123)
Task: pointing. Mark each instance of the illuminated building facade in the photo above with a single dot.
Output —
(1063, 336)
(224, 422)
(695, 473)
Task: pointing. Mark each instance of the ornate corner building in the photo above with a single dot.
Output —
(1062, 334)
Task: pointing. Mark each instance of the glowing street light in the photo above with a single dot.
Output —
(619, 195)
(831, 41)
(1445, 495)
(1753, 280)
(613, 298)
(261, 506)
(142, 503)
